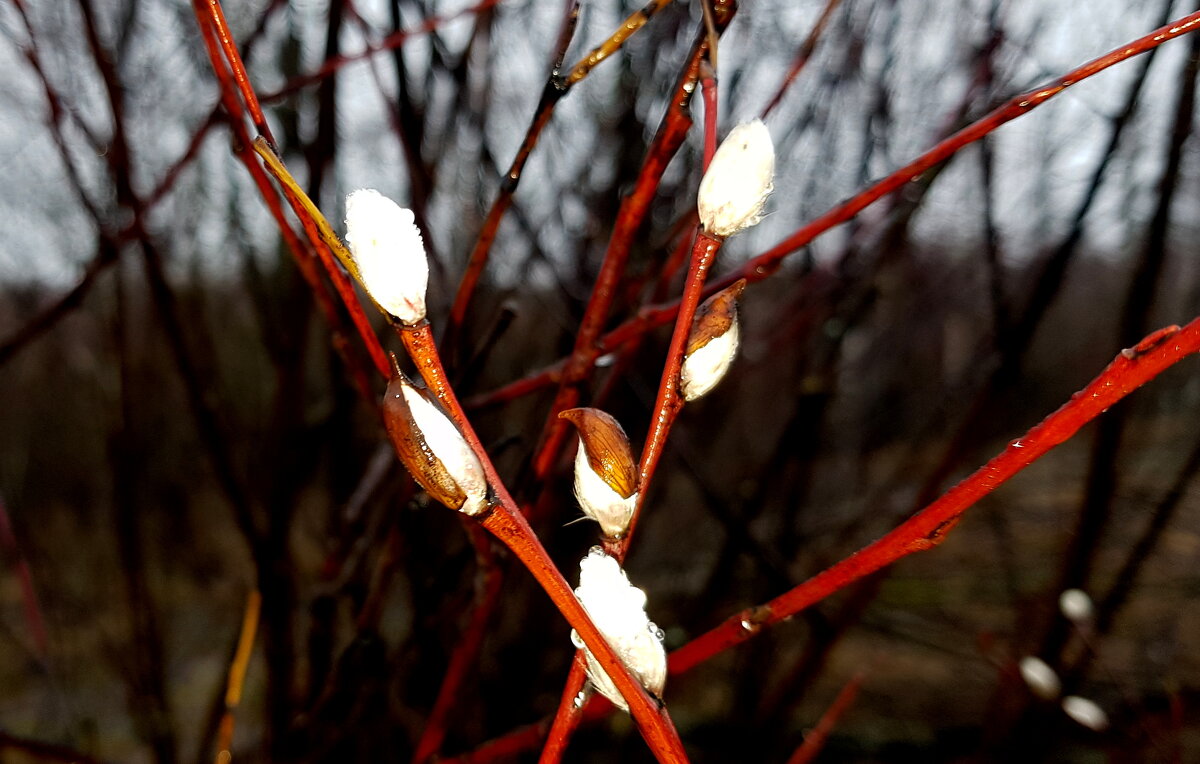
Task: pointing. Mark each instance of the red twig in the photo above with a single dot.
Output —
(506, 523)
(633, 210)
(802, 56)
(217, 15)
(669, 400)
(569, 714)
(634, 207)
(765, 264)
(814, 741)
(487, 597)
(302, 255)
(1130, 370)
(708, 83)
(557, 87)
(322, 238)
(20, 566)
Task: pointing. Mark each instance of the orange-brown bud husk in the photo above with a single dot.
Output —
(432, 449)
(607, 448)
(715, 316)
(712, 343)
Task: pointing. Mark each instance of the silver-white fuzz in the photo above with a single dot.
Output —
(1040, 678)
(705, 367)
(451, 448)
(1085, 712)
(389, 253)
(738, 181)
(1076, 606)
(619, 611)
(598, 500)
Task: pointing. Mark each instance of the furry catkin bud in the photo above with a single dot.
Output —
(1076, 606)
(738, 181)
(712, 344)
(605, 473)
(389, 254)
(1085, 712)
(619, 611)
(431, 447)
(1040, 678)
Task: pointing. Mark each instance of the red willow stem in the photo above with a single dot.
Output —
(765, 264)
(1132, 368)
(506, 522)
(667, 405)
(669, 400)
(487, 597)
(322, 237)
(814, 741)
(708, 84)
(802, 56)
(569, 714)
(556, 87)
(672, 131)
(217, 15)
(301, 254)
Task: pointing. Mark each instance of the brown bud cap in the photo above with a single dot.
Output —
(607, 448)
(432, 448)
(715, 316)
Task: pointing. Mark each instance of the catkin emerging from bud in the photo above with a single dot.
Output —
(619, 611)
(431, 447)
(738, 181)
(712, 344)
(605, 472)
(389, 254)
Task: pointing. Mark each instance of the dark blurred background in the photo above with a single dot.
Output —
(177, 432)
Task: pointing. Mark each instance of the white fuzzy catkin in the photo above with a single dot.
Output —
(1041, 679)
(704, 368)
(1085, 712)
(619, 611)
(1076, 606)
(738, 181)
(451, 448)
(388, 251)
(598, 500)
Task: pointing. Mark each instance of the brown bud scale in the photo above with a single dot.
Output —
(607, 448)
(715, 316)
(414, 452)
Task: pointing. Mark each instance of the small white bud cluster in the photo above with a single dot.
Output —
(738, 181)
(389, 254)
(619, 611)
